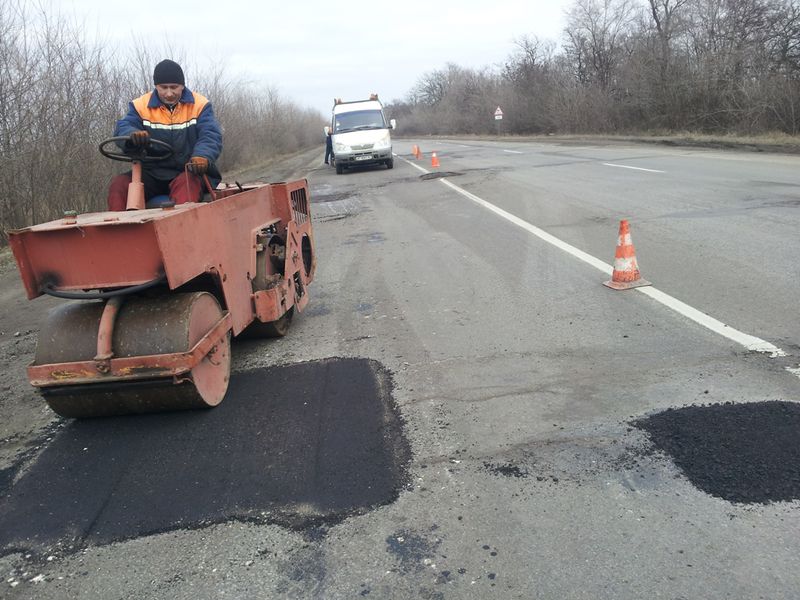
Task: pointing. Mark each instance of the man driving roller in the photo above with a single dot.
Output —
(171, 113)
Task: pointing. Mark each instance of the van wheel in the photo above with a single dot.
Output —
(339, 168)
(390, 163)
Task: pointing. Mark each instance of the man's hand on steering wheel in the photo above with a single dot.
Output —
(139, 138)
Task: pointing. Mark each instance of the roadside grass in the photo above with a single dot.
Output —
(281, 164)
(766, 142)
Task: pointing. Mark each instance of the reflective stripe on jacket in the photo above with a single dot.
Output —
(190, 128)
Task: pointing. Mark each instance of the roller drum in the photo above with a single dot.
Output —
(165, 324)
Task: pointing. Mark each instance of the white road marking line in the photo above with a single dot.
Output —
(512, 151)
(750, 342)
(540, 233)
(634, 168)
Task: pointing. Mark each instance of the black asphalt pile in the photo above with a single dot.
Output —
(744, 453)
(506, 470)
(299, 445)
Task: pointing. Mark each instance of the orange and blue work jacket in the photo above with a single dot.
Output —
(190, 128)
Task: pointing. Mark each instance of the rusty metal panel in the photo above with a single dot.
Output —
(219, 238)
(104, 250)
(271, 304)
(78, 257)
(281, 202)
(24, 266)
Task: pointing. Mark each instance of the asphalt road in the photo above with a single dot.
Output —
(508, 402)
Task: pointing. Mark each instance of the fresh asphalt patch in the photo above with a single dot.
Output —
(743, 453)
(303, 446)
(6, 478)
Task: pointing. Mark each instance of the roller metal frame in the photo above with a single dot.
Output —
(215, 241)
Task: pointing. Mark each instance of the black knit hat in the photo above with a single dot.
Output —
(168, 71)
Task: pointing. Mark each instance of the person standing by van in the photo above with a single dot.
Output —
(328, 145)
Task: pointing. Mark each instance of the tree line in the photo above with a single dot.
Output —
(623, 66)
(61, 94)
(630, 66)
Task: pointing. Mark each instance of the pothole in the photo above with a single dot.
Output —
(336, 206)
(506, 469)
(322, 198)
(439, 175)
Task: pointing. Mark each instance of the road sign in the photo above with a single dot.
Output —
(498, 114)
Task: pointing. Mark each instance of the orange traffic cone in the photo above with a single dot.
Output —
(434, 160)
(626, 270)
(415, 151)
(418, 153)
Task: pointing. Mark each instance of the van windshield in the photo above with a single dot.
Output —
(358, 119)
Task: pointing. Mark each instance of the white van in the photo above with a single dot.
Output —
(361, 134)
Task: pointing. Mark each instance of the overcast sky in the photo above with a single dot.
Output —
(314, 51)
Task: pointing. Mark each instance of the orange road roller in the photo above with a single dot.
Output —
(161, 291)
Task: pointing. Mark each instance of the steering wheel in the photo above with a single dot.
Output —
(136, 153)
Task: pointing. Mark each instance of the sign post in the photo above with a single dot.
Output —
(498, 119)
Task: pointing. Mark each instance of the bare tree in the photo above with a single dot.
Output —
(633, 65)
(596, 31)
(666, 16)
(454, 99)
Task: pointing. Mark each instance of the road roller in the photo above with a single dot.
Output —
(154, 294)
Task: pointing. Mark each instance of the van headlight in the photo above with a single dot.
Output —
(383, 143)
(339, 147)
